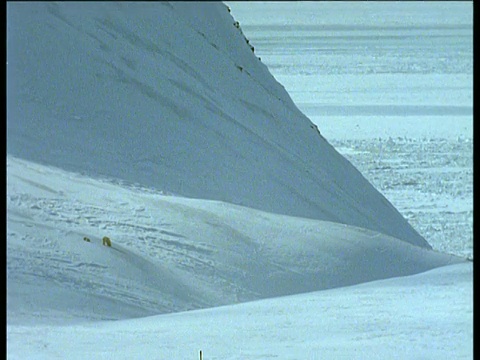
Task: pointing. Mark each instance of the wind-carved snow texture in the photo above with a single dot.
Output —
(171, 96)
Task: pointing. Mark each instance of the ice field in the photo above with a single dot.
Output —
(238, 228)
(392, 90)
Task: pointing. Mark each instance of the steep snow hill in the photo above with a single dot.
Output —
(171, 96)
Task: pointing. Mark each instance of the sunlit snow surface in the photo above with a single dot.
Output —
(426, 316)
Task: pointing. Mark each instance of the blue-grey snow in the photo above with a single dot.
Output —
(155, 124)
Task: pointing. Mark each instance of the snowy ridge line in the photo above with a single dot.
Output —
(173, 254)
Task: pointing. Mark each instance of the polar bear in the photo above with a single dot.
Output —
(106, 241)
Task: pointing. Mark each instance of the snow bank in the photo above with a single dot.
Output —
(171, 96)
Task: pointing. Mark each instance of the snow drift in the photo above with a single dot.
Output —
(171, 96)
(170, 253)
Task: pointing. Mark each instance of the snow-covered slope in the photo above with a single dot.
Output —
(170, 95)
(170, 253)
(387, 319)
